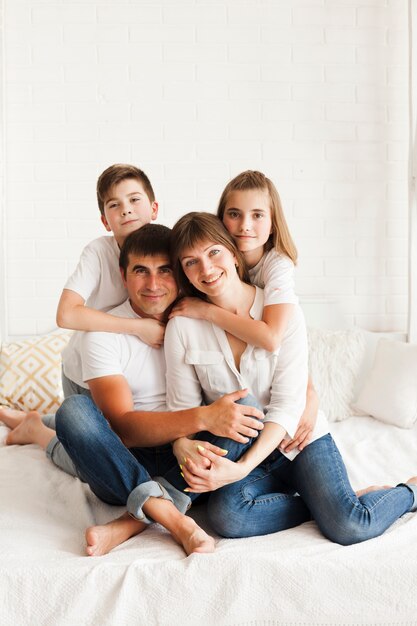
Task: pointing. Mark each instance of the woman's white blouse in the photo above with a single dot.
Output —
(201, 367)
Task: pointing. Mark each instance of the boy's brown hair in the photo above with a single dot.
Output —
(114, 175)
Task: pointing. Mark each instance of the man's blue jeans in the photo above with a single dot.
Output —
(280, 494)
(122, 476)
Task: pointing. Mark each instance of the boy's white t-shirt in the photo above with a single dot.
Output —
(275, 275)
(110, 354)
(98, 281)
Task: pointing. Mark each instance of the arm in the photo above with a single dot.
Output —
(154, 428)
(73, 314)
(307, 422)
(266, 333)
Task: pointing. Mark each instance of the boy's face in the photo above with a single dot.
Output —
(127, 208)
(150, 284)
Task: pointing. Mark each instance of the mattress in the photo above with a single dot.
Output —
(294, 577)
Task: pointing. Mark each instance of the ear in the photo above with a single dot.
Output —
(105, 223)
(122, 274)
(155, 208)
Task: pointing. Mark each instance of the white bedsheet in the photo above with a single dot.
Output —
(293, 577)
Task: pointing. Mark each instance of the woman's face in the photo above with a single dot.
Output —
(210, 267)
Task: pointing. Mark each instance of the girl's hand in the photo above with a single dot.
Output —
(306, 424)
(220, 472)
(191, 307)
(186, 450)
(150, 331)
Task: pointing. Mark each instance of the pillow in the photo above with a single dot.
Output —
(335, 357)
(30, 372)
(390, 391)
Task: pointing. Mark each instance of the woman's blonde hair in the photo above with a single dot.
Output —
(280, 237)
(190, 230)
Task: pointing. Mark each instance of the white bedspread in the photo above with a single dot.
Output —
(294, 577)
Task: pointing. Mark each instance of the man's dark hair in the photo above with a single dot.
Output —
(150, 240)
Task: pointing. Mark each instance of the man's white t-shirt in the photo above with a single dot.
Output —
(110, 354)
(97, 280)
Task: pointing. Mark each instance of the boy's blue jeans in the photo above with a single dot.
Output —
(263, 502)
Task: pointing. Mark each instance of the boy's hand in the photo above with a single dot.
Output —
(186, 450)
(151, 332)
(225, 418)
(191, 307)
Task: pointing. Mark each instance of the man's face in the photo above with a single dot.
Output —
(151, 285)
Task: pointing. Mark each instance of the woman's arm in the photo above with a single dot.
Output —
(73, 314)
(266, 333)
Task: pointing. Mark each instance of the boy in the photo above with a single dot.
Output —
(126, 201)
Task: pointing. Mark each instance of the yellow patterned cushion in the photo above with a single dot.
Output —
(30, 372)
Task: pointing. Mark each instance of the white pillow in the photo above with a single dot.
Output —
(335, 357)
(390, 391)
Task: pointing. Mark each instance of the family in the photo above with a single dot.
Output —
(190, 381)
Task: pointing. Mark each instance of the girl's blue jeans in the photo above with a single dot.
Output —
(277, 495)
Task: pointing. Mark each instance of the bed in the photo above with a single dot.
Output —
(295, 577)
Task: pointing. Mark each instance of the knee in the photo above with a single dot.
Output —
(74, 415)
(347, 532)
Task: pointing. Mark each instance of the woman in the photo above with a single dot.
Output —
(204, 362)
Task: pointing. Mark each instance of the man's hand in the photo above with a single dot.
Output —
(186, 450)
(150, 331)
(225, 418)
(221, 472)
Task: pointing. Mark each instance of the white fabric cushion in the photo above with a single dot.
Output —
(390, 391)
(335, 357)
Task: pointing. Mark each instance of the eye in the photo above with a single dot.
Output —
(166, 270)
(135, 199)
(113, 205)
(189, 262)
(233, 214)
(258, 216)
(214, 252)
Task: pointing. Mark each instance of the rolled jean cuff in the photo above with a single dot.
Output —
(413, 489)
(180, 499)
(140, 495)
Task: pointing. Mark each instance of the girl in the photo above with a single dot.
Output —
(251, 210)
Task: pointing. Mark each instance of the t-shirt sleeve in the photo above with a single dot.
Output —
(86, 277)
(100, 355)
(278, 280)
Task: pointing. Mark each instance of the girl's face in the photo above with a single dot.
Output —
(210, 267)
(247, 217)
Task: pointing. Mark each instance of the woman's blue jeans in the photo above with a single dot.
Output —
(122, 476)
(280, 494)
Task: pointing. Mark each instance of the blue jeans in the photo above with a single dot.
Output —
(280, 494)
(116, 474)
(55, 450)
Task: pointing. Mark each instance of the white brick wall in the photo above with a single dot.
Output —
(313, 92)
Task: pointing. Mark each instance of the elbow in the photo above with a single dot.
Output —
(63, 320)
(272, 343)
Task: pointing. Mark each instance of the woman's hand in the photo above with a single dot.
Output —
(220, 472)
(186, 450)
(191, 307)
(150, 331)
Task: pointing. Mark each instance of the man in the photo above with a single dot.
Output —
(126, 403)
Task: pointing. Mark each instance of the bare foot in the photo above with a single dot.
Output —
(24, 430)
(12, 417)
(362, 492)
(412, 480)
(192, 537)
(101, 539)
